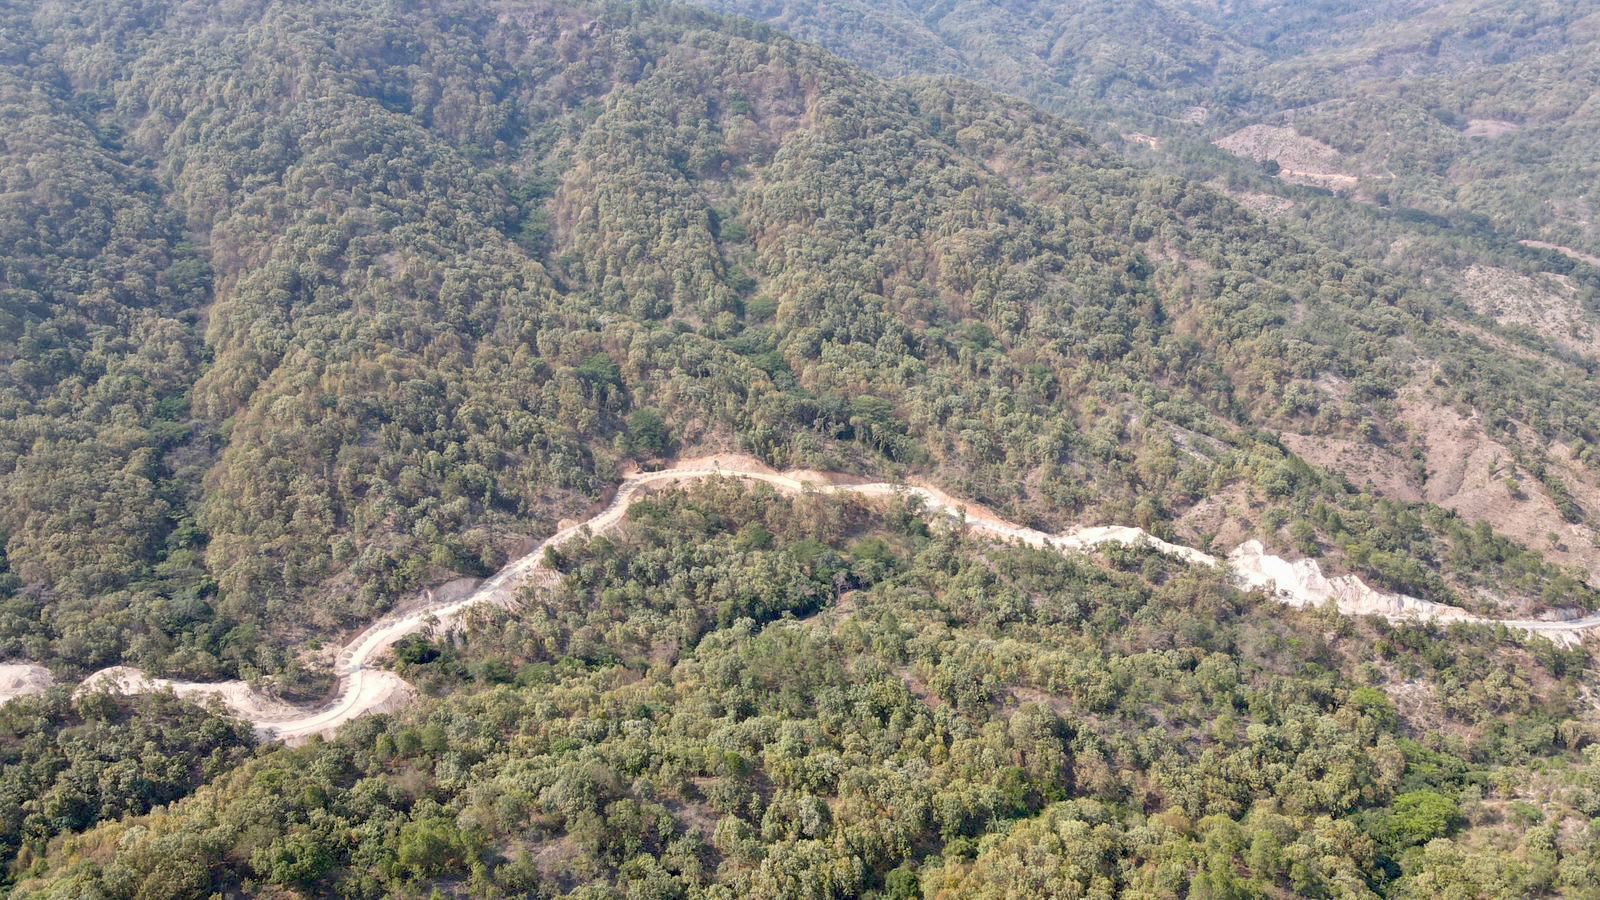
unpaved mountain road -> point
(364, 689)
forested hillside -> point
(744, 694)
(307, 307)
(1480, 111)
(1095, 58)
(349, 301)
(1316, 116)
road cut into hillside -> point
(364, 689)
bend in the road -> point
(363, 689)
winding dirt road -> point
(364, 689)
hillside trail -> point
(364, 689)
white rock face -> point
(1301, 583)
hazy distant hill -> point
(1475, 107)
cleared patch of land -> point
(23, 679)
(1546, 304)
(1490, 128)
(1565, 251)
(1300, 159)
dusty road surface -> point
(365, 689)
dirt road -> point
(364, 689)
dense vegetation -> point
(281, 355)
(307, 306)
(749, 695)
(67, 763)
(1477, 110)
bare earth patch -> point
(1361, 463)
(1223, 519)
(22, 680)
(237, 696)
(1468, 472)
(1300, 159)
(919, 688)
(1490, 128)
(1565, 251)
(1547, 304)
(1266, 204)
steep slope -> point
(365, 689)
(1392, 106)
(317, 304)
(99, 299)
(733, 692)
(1479, 111)
(1091, 59)
(1471, 108)
(464, 262)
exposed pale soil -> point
(1361, 463)
(1490, 128)
(1265, 204)
(1467, 470)
(1223, 519)
(1546, 304)
(1565, 251)
(1300, 159)
(365, 689)
(22, 679)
